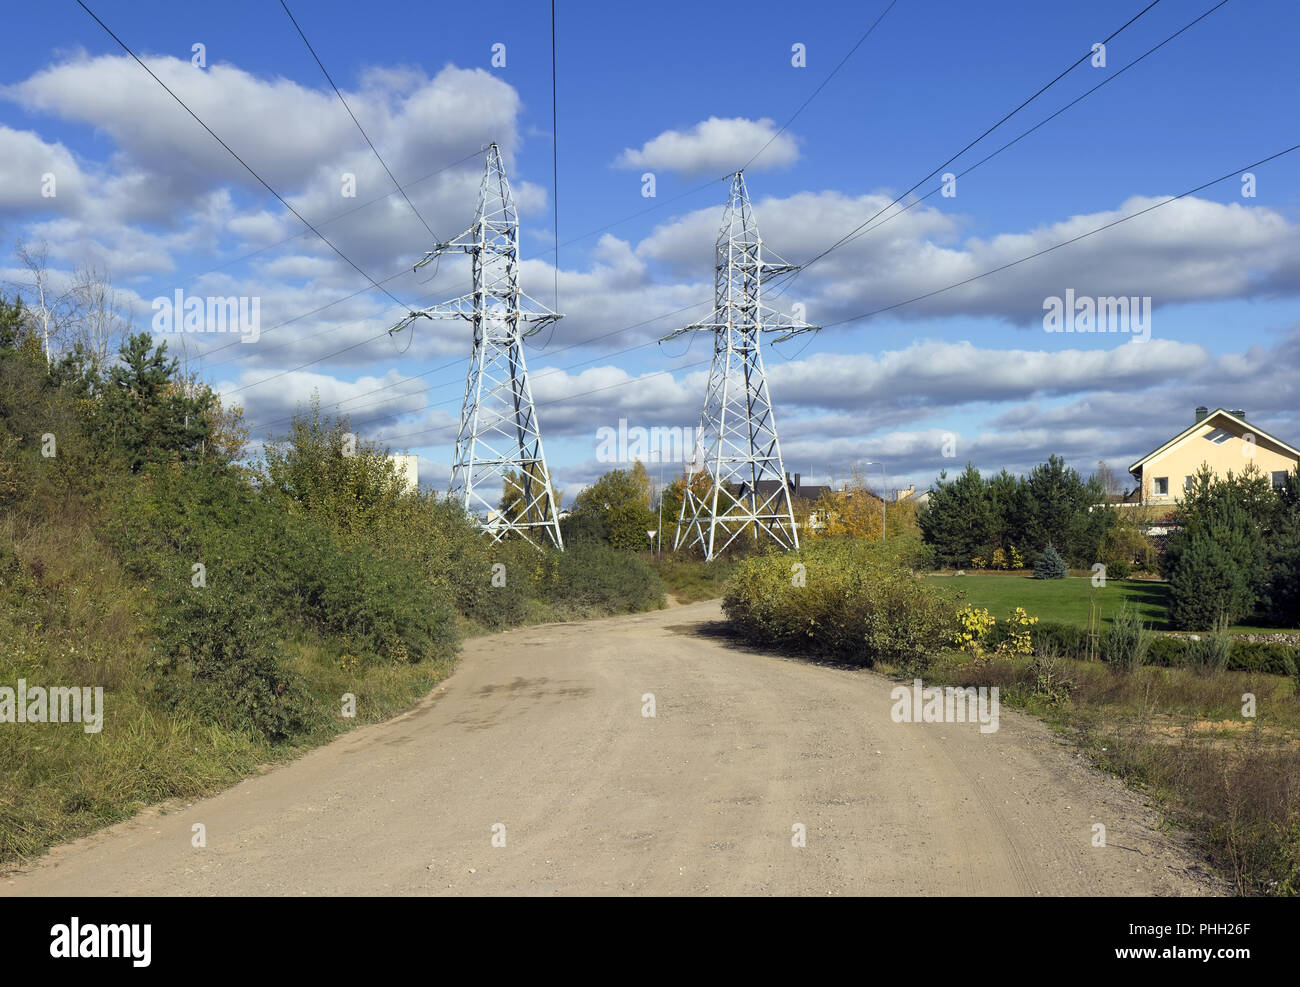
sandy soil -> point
(541, 730)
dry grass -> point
(1182, 738)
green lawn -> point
(1066, 600)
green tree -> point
(1063, 509)
(622, 504)
(326, 472)
(1050, 565)
(958, 523)
(525, 501)
(1281, 589)
(1216, 562)
(144, 415)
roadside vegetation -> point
(233, 612)
(1207, 725)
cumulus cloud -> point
(718, 145)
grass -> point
(72, 615)
(692, 580)
(1182, 739)
(1067, 600)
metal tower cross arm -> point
(737, 446)
(499, 442)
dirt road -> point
(541, 731)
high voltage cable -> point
(860, 229)
(555, 195)
(324, 222)
(284, 202)
(804, 104)
(853, 234)
(542, 373)
(1065, 243)
(938, 291)
(339, 94)
(863, 231)
(1085, 57)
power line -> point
(555, 179)
(938, 291)
(805, 103)
(325, 222)
(339, 94)
(542, 373)
(865, 229)
(1083, 58)
(1065, 243)
(284, 202)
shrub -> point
(1050, 676)
(1167, 652)
(1069, 640)
(851, 607)
(1127, 642)
(1209, 653)
(1264, 656)
(1119, 569)
(1050, 565)
(216, 654)
(973, 626)
(600, 576)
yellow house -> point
(1224, 440)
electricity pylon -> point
(499, 444)
(737, 445)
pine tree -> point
(1050, 565)
(145, 414)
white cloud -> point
(716, 144)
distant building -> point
(408, 467)
(804, 499)
(1222, 439)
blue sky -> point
(145, 193)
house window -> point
(1279, 479)
(1187, 483)
(1162, 486)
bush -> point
(1050, 565)
(1127, 642)
(1068, 640)
(1209, 653)
(216, 654)
(1167, 652)
(1119, 569)
(1264, 656)
(850, 607)
(593, 575)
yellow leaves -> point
(975, 623)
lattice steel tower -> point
(737, 445)
(499, 432)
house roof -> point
(1217, 413)
(807, 492)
